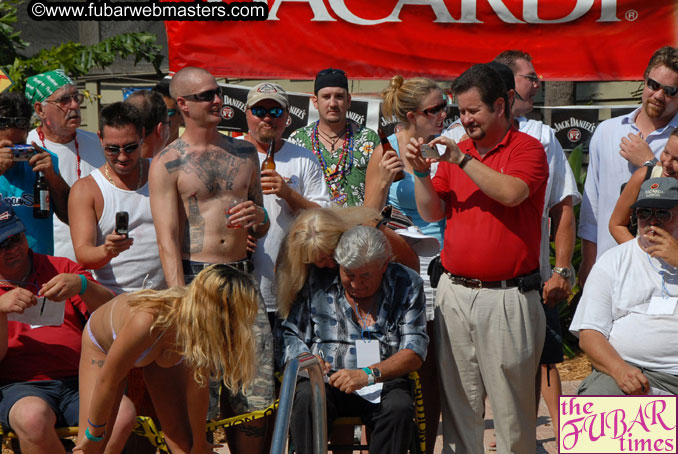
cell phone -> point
(122, 223)
(427, 151)
(22, 152)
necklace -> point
(333, 140)
(141, 175)
(334, 174)
(41, 136)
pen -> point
(42, 308)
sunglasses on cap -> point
(327, 71)
(435, 110)
(274, 112)
(115, 149)
(204, 96)
(661, 215)
(668, 89)
(10, 242)
(66, 100)
(15, 122)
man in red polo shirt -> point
(489, 323)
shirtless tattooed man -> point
(206, 198)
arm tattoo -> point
(98, 363)
(195, 227)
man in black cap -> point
(342, 146)
(626, 318)
(44, 303)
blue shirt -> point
(16, 187)
(607, 171)
(321, 318)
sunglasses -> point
(327, 71)
(661, 215)
(171, 112)
(66, 100)
(531, 77)
(435, 110)
(668, 89)
(115, 149)
(204, 96)
(10, 242)
(15, 122)
(274, 112)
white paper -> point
(367, 352)
(45, 313)
(662, 306)
(659, 392)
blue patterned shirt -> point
(321, 318)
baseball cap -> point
(658, 193)
(267, 90)
(10, 224)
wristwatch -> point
(377, 374)
(565, 273)
(467, 157)
(651, 163)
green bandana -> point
(41, 86)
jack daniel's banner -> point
(375, 39)
(574, 127)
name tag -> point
(662, 306)
(367, 352)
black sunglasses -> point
(663, 216)
(327, 71)
(274, 112)
(171, 112)
(115, 149)
(203, 96)
(668, 89)
(435, 110)
(15, 122)
(11, 241)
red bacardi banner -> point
(568, 39)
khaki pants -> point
(488, 342)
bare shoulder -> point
(85, 188)
(239, 148)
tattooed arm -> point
(165, 202)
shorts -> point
(553, 341)
(61, 396)
(259, 394)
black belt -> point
(531, 281)
(191, 267)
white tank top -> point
(139, 266)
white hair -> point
(360, 246)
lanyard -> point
(363, 326)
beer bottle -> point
(269, 163)
(40, 197)
(386, 145)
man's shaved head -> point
(185, 79)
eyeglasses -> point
(531, 77)
(171, 112)
(274, 112)
(10, 242)
(204, 96)
(327, 71)
(66, 100)
(435, 110)
(663, 216)
(15, 122)
(115, 149)
(668, 89)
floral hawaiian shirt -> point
(352, 186)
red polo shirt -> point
(46, 352)
(484, 239)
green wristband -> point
(422, 174)
(83, 284)
(265, 216)
(91, 437)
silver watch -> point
(651, 163)
(565, 273)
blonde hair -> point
(213, 319)
(403, 96)
(313, 233)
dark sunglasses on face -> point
(435, 110)
(11, 241)
(171, 112)
(115, 150)
(274, 112)
(204, 96)
(661, 215)
(15, 122)
(66, 100)
(668, 89)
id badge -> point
(367, 352)
(662, 306)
